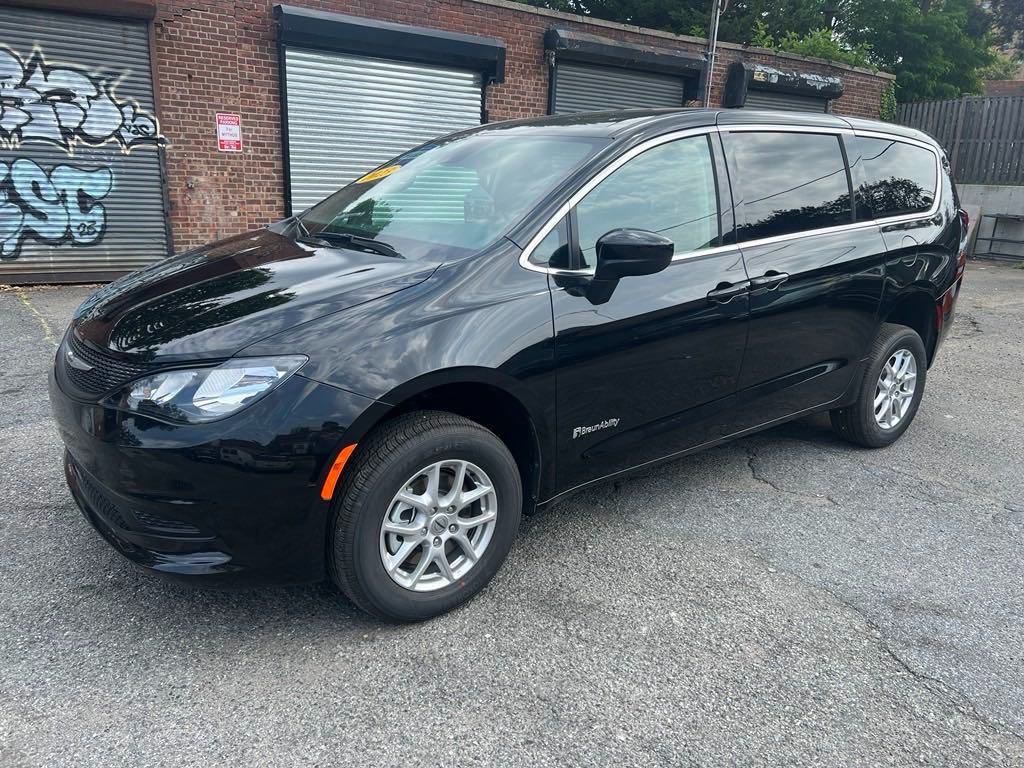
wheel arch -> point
(915, 308)
(487, 397)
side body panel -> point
(924, 260)
(808, 335)
(648, 365)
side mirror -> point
(628, 252)
(625, 253)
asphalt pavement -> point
(787, 599)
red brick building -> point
(311, 82)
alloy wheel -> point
(894, 391)
(438, 525)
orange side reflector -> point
(327, 492)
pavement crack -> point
(48, 334)
(955, 697)
(1009, 514)
(760, 477)
(880, 472)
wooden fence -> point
(982, 135)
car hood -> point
(215, 300)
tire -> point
(383, 465)
(858, 423)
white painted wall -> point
(995, 199)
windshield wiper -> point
(357, 241)
(297, 220)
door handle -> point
(769, 281)
(726, 292)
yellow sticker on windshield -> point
(380, 173)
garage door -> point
(584, 88)
(767, 100)
(81, 194)
(348, 114)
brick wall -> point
(221, 55)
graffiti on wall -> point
(66, 107)
(55, 207)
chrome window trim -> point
(834, 130)
(576, 197)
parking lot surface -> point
(787, 599)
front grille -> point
(106, 372)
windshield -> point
(459, 195)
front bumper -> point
(234, 500)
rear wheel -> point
(426, 516)
(890, 390)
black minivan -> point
(376, 389)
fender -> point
(381, 407)
(540, 416)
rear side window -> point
(892, 177)
(669, 189)
(788, 182)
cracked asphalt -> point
(784, 600)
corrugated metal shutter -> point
(348, 114)
(437, 194)
(89, 85)
(586, 88)
(768, 100)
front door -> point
(642, 375)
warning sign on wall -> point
(229, 132)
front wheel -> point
(426, 516)
(890, 390)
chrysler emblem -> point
(76, 362)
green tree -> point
(936, 48)
(819, 43)
(778, 18)
(691, 17)
(1003, 68)
(887, 105)
(1008, 23)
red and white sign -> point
(229, 132)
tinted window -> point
(892, 178)
(788, 182)
(459, 193)
(669, 189)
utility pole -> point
(717, 8)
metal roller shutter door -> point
(81, 195)
(768, 100)
(585, 88)
(348, 114)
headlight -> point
(206, 394)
